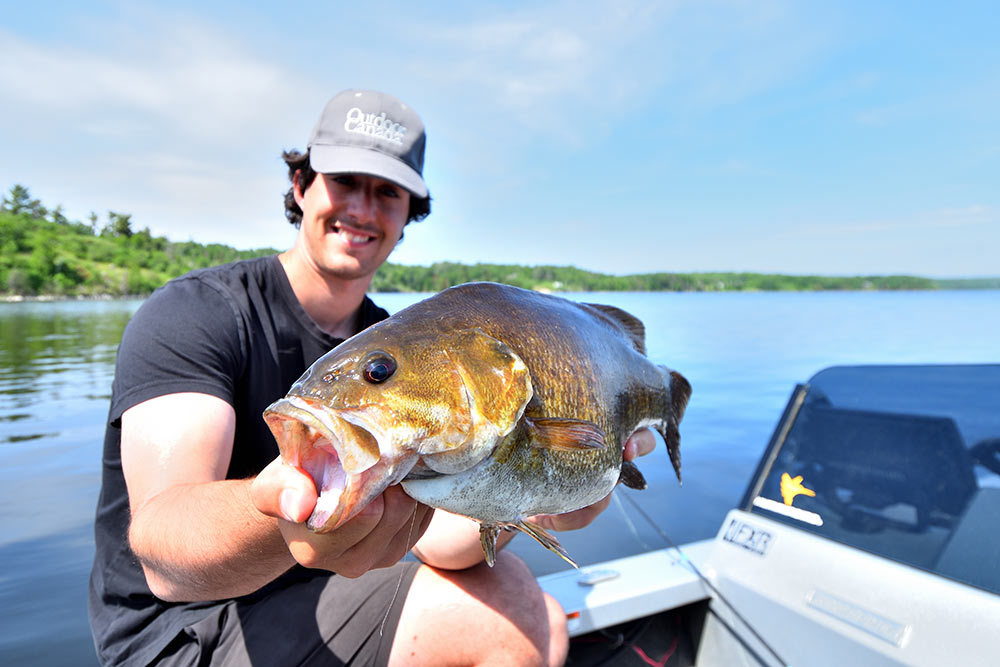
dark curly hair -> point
(420, 208)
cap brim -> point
(354, 160)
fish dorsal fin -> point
(565, 435)
(632, 325)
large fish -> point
(485, 400)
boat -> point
(869, 534)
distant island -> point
(44, 254)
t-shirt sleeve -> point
(187, 337)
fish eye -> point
(379, 368)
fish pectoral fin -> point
(565, 435)
(544, 537)
(631, 477)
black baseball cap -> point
(368, 132)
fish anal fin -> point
(632, 325)
(488, 538)
(543, 537)
(631, 476)
(565, 435)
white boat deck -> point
(615, 591)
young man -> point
(202, 556)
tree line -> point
(42, 252)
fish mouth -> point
(343, 459)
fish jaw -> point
(342, 459)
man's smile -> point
(352, 236)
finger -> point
(400, 523)
(416, 518)
(284, 491)
(640, 443)
(326, 550)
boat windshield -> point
(900, 461)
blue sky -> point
(623, 137)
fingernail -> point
(289, 503)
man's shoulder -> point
(202, 293)
(238, 272)
(227, 281)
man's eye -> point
(389, 191)
(344, 179)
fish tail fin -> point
(680, 392)
(544, 537)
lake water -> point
(743, 354)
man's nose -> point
(361, 204)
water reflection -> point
(56, 367)
(742, 352)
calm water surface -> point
(742, 353)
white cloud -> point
(170, 75)
(158, 114)
(571, 72)
(970, 217)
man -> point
(202, 556)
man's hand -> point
(378, 536)
(641, 443)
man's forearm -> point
(207, 542)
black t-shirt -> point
(236, 332)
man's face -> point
(351, 222)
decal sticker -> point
(792, 486)
(744, 535)
(861, 618)
(796, 513)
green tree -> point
(57, 216)
(119, 225)
(19, 202)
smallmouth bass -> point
(485, 400)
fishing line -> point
(707, 582)
(399, 582)
(628, 522)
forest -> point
(43, 253)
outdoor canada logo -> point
(378, 126)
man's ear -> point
(296, 187)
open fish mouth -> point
(342, 458)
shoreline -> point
(49, 298)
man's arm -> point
(195, 533)
(199, 536)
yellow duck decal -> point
(792, 486)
